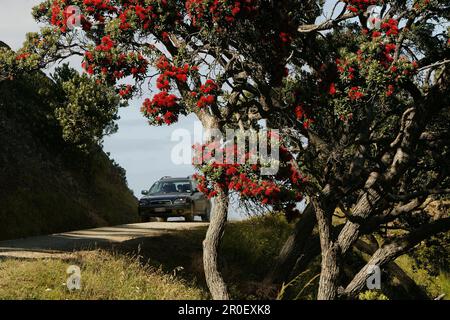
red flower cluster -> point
(97, 5)
(394, 71)
(346, 69)
(143, 13)
(23, 56)
(170, 72)
(390, 27)
(106, 44)
(222, 12)
(151, 15)
(390, 90)
(125, 91)
(285, 38)
(207, 94)
(243, 178)
(249, 186)
(388, 49)
(302, 115)
(360, 6)
(98, 8)
(267, 191)
(332, 89)
(60, 13)
(355, 93)
(107, 61)
(163, 108)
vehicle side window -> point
(184, 187)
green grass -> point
(434, 285)
(48, 185)
(248, 253)
(105, 276)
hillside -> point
(46, 184)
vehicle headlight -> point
(181, 201)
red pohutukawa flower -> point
(162, 109)
(106, 60)
(284, 188)
(126, 91)
(355, 93)
(390, 27)
(303, 115)
(360, 6)
(23, 56)
(170, 72)
(207, 94)
(222, 13)
(375, 56)
(106, 44)
(332, 89)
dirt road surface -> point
(62, 244)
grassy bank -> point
(48, 185)
(169, 266)
(104, 276)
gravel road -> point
(62, 244)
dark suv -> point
(174, 197)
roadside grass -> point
(170, 266)
(247, 253)
(434, 285)
(105, 276)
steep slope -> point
(46, 184)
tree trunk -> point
(390, 251)
(292, 255)
(211, 245)
(409, 285)
(329, 275)
(330, 265)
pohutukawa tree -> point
(361, 101)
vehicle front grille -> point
(161, 202)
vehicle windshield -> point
(172, 186)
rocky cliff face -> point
(47, 185)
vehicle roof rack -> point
(165, 177)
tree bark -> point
(364, 207)
(390, 251)
(329, 275)
(409, 285)
(211, 245)
(330, 265)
